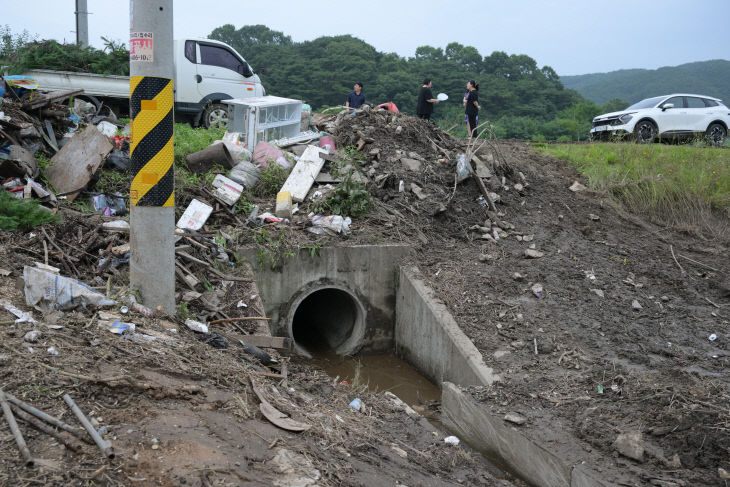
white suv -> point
(667, 117)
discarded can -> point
(356, 404)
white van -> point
(206, 72)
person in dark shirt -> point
(356, 98)
(424, 109)
(472, 107)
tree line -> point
(520, 98)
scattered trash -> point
(47, 291)
(227, 190)
(335, 223)
(712, 337)
(215, 340)
(121, 226)
(284, 204)
(593, 217)
(305, 171)
(120, 327)
(204, 160)
(462, 168)
(356, 404)
(598, 292)
(195, 216)
(258, 354)
(22, 316)
(265, 153)
(107, 128)
(246, 174)
(241, 304)
(196, 326)
(636, 305)
(32, 336)
(537, 290)
(109, 205)
(451, 440)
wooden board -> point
(274, 415)
(302, 177)
(75, 164)
(46, 99)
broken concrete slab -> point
(302, 177)
(283, 205)
(71, 169)
(630, 445)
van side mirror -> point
(244, 70)
(667, 106)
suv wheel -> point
(215, 115)
(716, 134)
(645, 132)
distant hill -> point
(631, 85)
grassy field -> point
(686, 186)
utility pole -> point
(82, 23)
(152, 190)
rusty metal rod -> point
(79, 433)
(104, 445)
(25, 453)
(46, 428)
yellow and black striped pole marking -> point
(151, 149)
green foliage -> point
(705, 77)
(349, 198)
(314, 249)
(272, 249)
(183, 310)
(672, 184)
(322, 72)
(272, 179)
(20, 55)
(18, 214)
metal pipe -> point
(47, 418)
(104, 445)
(45, 428)
(16, 431)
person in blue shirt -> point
(355, 99)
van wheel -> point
(716, 134)
(215, 115)
(645, 132)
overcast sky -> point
(572, 36)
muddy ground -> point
(604, 365)
(582, 366)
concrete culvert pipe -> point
(327, 318)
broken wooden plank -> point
(302, 177)
(325, 178)
(48, 98)
(263, 341)
(75, 164)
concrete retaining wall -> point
(474, 423)
(368, 272)
(427, 336)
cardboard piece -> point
(75, 164)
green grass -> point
(674, 185)
(189, 140)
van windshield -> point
(648, 103)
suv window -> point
(218, 56)
(190, 51)
(693, 102)
(709, 103)
(677, 101)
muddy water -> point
(380, 373)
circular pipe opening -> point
(327, 319)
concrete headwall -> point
(427, 336)
(368, 272)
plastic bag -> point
(47, 291)
(246, 174)
(462, 168)
(334, 222)
(264, 153)
(107, 128)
